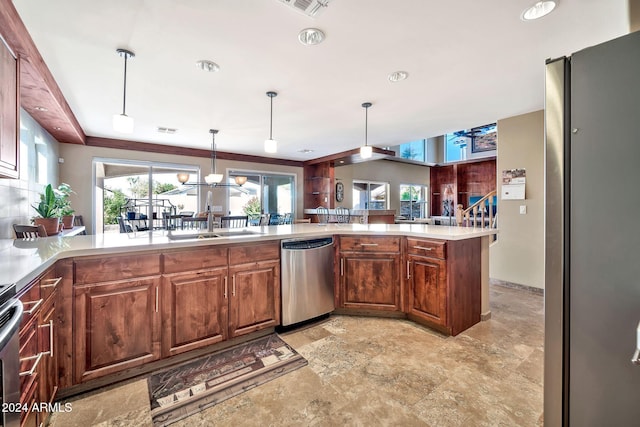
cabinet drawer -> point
(48, 283)
(370, 244)
(190, 260)
(253, 253)
(31, 302)
(428, 248)
(104, 269)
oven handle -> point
(12, 325)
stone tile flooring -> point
(372, 371)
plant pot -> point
(51, 225)
(67, 221)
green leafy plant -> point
(252, 208)
(64, 204)
(49, 205)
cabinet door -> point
(9, 114)
(116, 326)
(49, 364)
(255, 297)
(370, 281)
(194, 310)
(427, 289)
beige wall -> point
(518, 254)
(634, 15)
(77, 172)
(395, 173)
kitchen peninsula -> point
(127, 302)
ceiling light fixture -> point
(398, 76)
(366, 151)
(214, 179)
(311, 36)
(538, 10)
(122, 122)
(206, 65)
(39, 108)
(271, 145)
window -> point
(262, 193)
(370, 195)
(414, 150)
(412, 201)
(143, 193)
(455, 147)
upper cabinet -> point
(9, 114)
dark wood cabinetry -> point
(254, 273)
(369, 273)
(129, 310)
(443, 283)
(9, 113)
(116, 326)
(318, 186)
(38, 358)
(456, 183)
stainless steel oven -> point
(10, 316)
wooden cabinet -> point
(443, 283)
(195, 310)
(129, 310)
(117, 326)
(454, 184)
(369, 273)
(254, 273)
(318, 185)
(38, 359)
(9, 113)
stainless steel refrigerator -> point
(592, 236)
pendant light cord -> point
(124, 94)
(366, 125)
(213, 150)
(271, 120)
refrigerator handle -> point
(636, 355)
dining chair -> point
(323, 214)
(78, 222)
(234, 221)
(275, 219)
(342, 215)
(29, 231)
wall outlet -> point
(216, 208)
(523, 210)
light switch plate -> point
(523, 210)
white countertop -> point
(23, 259)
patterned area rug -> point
(188, 388)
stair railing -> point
(469, 217)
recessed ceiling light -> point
(206, 65)
(398, 76)
(305, 151)
(170, 131)
(311, 36)
(538, 10)
(57, 128)
(39, 108)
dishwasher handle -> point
(307, 244)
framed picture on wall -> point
(484, 138)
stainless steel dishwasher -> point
(307, 279)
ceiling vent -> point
(312, 8)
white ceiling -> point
(470, 62)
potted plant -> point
(64, 205)
(48, 211)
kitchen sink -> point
(212, 235)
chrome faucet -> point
(209, 220)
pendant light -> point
(366, 151)
(213, 177)
(122, 122)
(271, 145)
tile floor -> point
(370, 371)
